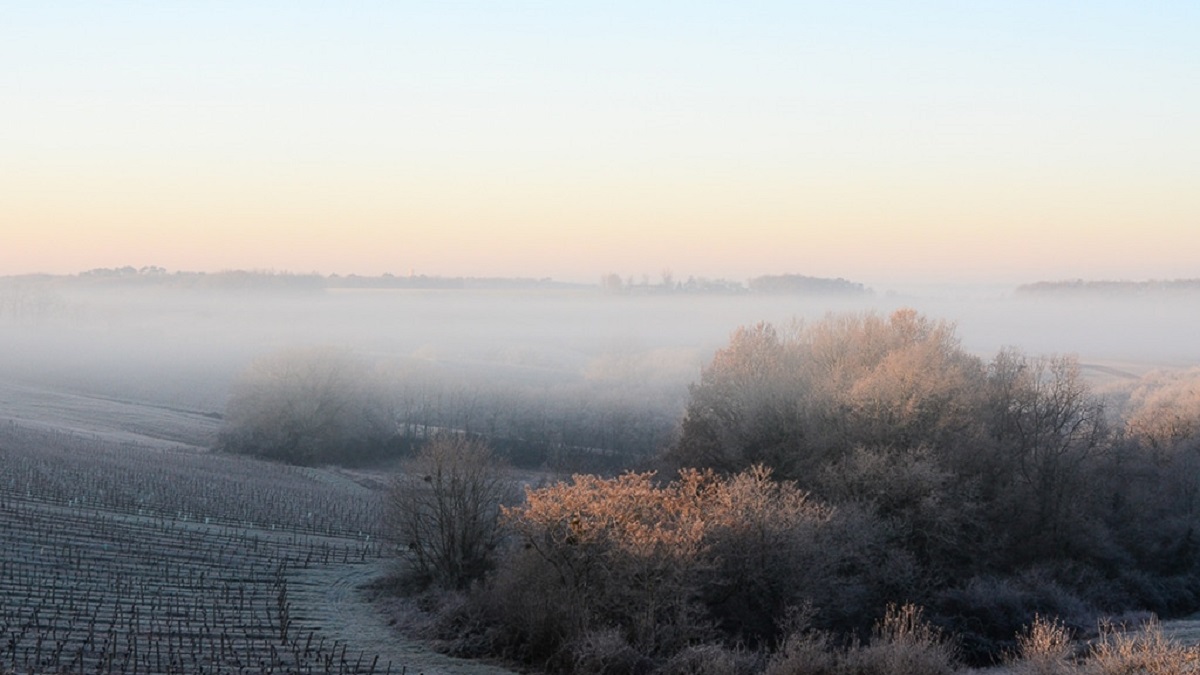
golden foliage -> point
(638, 554)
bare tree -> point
(444, 510)
(1048, 425)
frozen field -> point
(153, 557)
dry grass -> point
(710, 659)
(808, 653)
(903, 644)
(1045, 649)
(1148, 651)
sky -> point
(876, 141)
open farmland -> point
(105, 418)
(124, 558)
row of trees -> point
(1109, 288)
(776, 284)
(827, 472)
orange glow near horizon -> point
(564, 148)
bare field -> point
(109, 419)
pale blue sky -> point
(916, 141)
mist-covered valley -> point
(900, 498)
(183, 347)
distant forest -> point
(1108, 288)
(277, 281)
(153, 276)
(612, 283)
(776, 284)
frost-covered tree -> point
(799, 401)
(308, 406)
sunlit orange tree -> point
(669, 564)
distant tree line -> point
(1109, 288)
(421, 281)
(779, 284)
(784, 284)
(230, 280)
(158, 277)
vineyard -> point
(132, 559)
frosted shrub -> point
(1044, 649)
(903, 644)
(805, 653)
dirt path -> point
(332, 597)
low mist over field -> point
(184, 344)
(123, 340)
